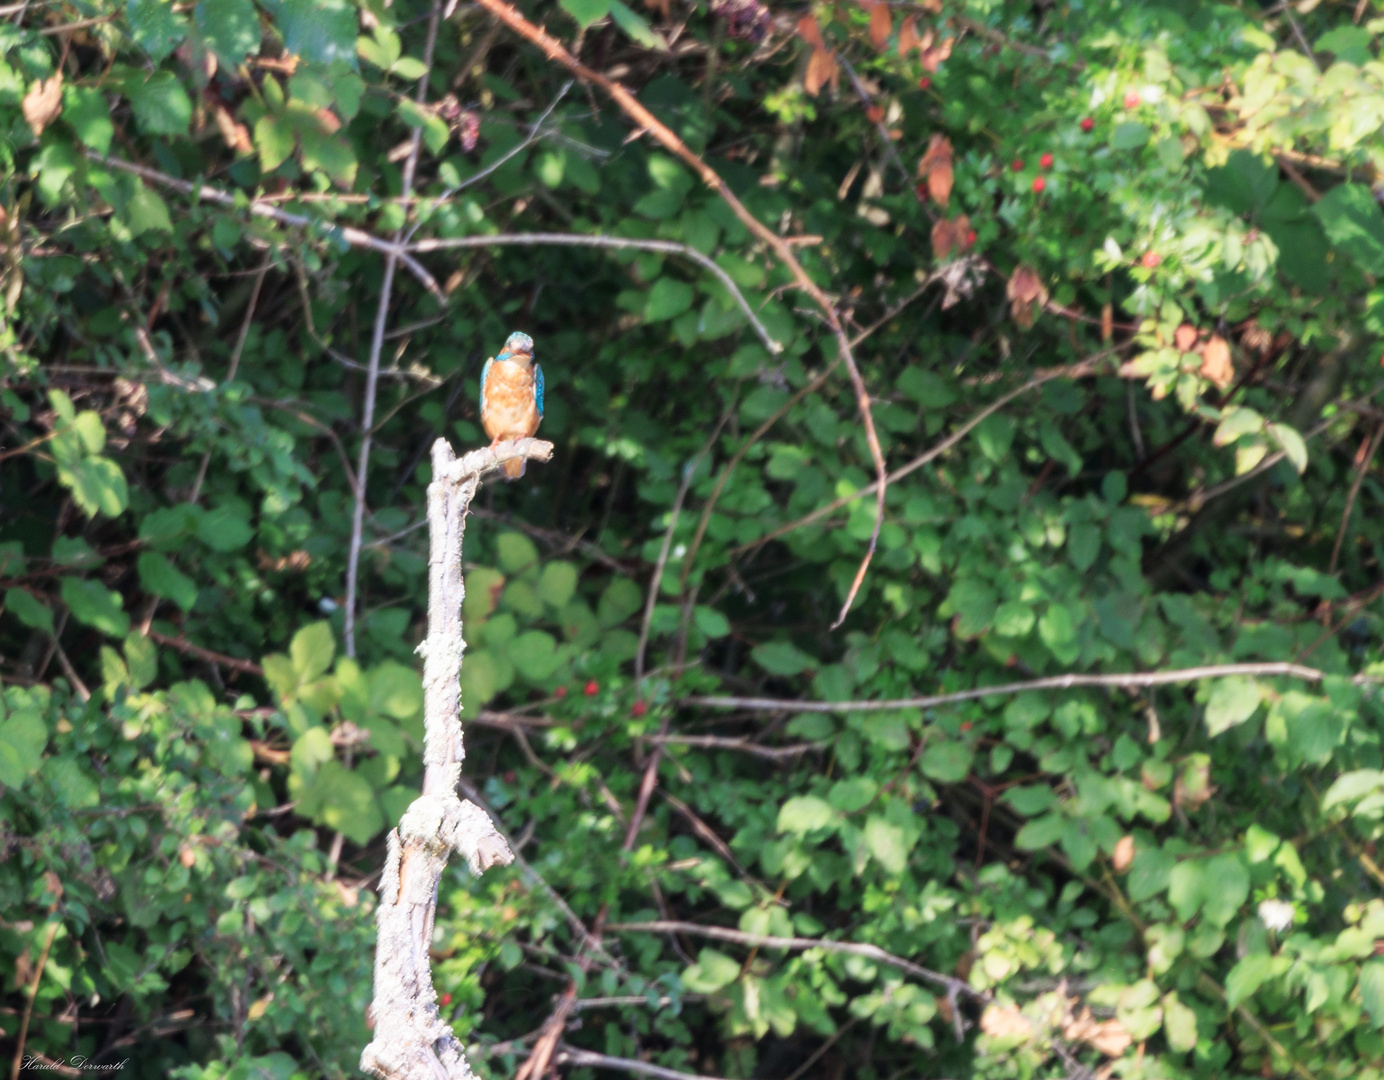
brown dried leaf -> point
(1255, 337)
(236, 135)
(1123, 855)
(1002, 1023)
(875, 114)
(1025, 292)
(933, 56)
(950, 237)
(661, 6)
(908, 37)
(1215, 362)
(881, 26)
(810, 33)
(936, 166)
(43, 103)
(934, 6)
(821, 69)
(1107, 1036)
(1185, 337)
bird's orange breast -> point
(508, 409)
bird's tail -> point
(514, 468)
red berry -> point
(1131, 100)
(638, 709)
(920, 190)
(560, 692)
(592, 688)
(1087, 124)
(1151, 259)
(965, 725)
(971, 239)
(446, 999)
(1017, 165)
(924, 83)
(1045, 162)
(1039, 184)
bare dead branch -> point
(411, 1041)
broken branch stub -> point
(411, 1041)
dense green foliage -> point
(198, 763)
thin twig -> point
(646, 121)
(1051, 682)
(78, 687)
(571, 1055)
(183, 646)
(724, 742)
(1073, 371)
(668, 247)
(372, 377)
(1350, 499)
(234, 365)
(351, 235)
(800, 944)
(33, 992)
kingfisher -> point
(512, 396)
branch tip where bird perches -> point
(411, 1041)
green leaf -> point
(1083, 544)
(156, 28)
(586, 12)
(1013, 619)
(781, 658)
(320, 31)
(1235, 423)
(1372, 991)
(162, 578)
(97, 485)
(621, 599)
(1351, 787)
(1040, 832)
(381, 50)
(713, 970)
(946, 762)
(86, 112)
(1150, 874)
(22, 739)
(274, 140)
(1354, 224)
(346, 802)
(1057, 629)
(1233, 701)
(1248, 976)
(224, 529)
(1129, 136)
(516, 552)
(636, 27)
(668, 299)
(1179, 1025)
(887, 843)
(1292, 444)
(32, 612)
(231, 29)
(142, 658)
(93, 604)
(312, 650)
(534, 655)
(406, 67)
(974, 602)
(710, 622)
(805, 813)
(161, 105)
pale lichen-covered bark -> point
(411, 1041)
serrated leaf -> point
(161, 105)
(230, 28)
(92, 603)
(712, 971)
(781, 658)
(1235, 423)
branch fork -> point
(412, 1042)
